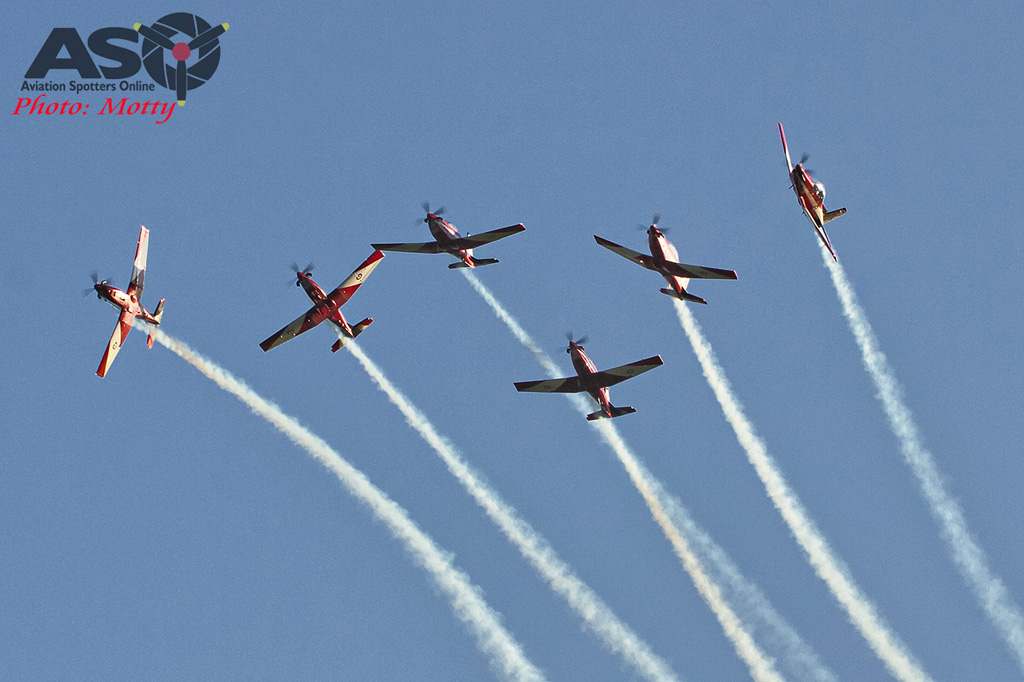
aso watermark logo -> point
(180, 52)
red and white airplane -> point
(326, 306)
(811, 195)
(448, 240)
(664, 259)
(129, 303)
(592, 381)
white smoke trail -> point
(988, 589)
(534, 548)
(761, 666)
(505, 654)
(802, 660)
(829, 568)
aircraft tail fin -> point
(475, 261)
(684, 296)
(616, 412)
(158, 315)
(356, 331)
(832, 215)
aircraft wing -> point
(610, 377)
(339, 296)
(789, 161)
(824, 240)
(635, 256)
(139, 266)
(475, 240)
(697, 271)
(307, 321)
(820, 229)
(124, 325)
(412, 247)
(566, 385)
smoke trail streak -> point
(969, 558)
(861, 611)
(800, 657)
(506, 656)
(534, 548)
(761, 666)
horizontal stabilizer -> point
(476, 262)
(158, 315)
(616, 412)
(684, 296)
(356, 331)
(832, 215)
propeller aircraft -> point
(448, 240)
(589, 379)
(128, 303)
(326, 306)
(811, 195)
(664, 259)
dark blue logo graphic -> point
(174, 63)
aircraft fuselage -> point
(443, 233)
(810, 194)
(585, 367)
(663, 250)
(322, 302)
(123, 301)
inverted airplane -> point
(448, 240)
(326, 306)
(592, 381)
(811, 195)
(129, 303)
(664, 259)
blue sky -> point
(155, 529)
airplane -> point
(128, 303)
(664, 259)
(326, 306)
(811, 195)
(592, 381)
(448, 240)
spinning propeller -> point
(94, 276)
(426, 207)
(579, 342)
(656, 218)
(307, 271)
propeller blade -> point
(180, 82)
(803, 159)
(154, 35)
(657, 217)
(95, 277)
(579, 342)
(207, 36)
